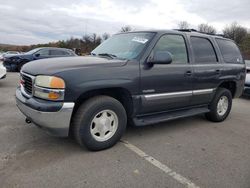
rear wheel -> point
(99, 123)
(220, 106)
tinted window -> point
(58, 53)
(230, 51)
(175, 45)
(44, 52)
(203, 50)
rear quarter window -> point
(230, 51)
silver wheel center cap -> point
(222, 105)
(104, 125)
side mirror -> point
(161, 57)
(37, 55)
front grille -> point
(27, 84)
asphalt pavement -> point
(190, 152)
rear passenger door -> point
(58, 53)
(207, 69)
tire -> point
(99, 123)
(19, 66)
(219, 112)
(11, 68)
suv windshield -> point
(124, 46)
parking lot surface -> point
(187, 152)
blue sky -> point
(31, 22)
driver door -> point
(167, 87)
(42, 54)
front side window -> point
(203, 50)
(44, 52)
(124, 46)
(229, 51)
(175, 45)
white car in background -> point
(2, 71)
(2, 68)
(8, 53)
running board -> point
(162, 117)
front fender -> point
(103, 84)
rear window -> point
(203, 50)
(229, 51)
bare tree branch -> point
(235, 32)
(205, 28)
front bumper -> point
(56, 122)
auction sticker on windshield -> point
(140, 40)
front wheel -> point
(99, 123)
(220, 106)
(19, 66)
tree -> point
(82, 45)
(245, 47)
(96, 40)
(105, 36)
(86, 43)
(126, 28)
(205, 28)
(183, 25)
(235, 32)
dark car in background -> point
(15, 62)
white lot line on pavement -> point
(159, 165)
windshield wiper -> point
(108, 55)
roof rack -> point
(194, 30)
(186, 30)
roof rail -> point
(194, 30)
(186, 30)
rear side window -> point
(203, 50)
(175, 45)
(58, 53)
(229, 51)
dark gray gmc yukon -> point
(138, 78)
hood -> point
(55, 65)
(22, 56)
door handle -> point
(188, 73)
(218, 71)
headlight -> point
(49, 87)
(50, 82)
